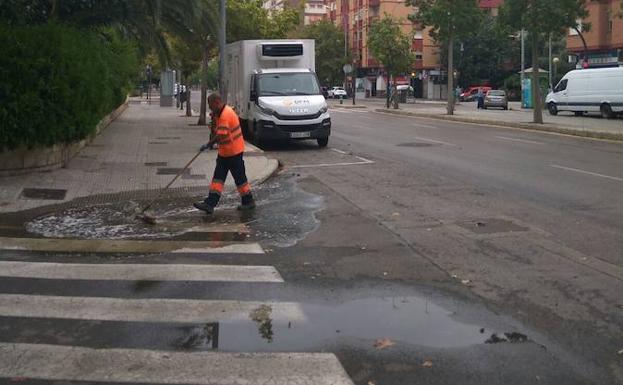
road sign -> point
(347, 68)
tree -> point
(541, 18)
(329, 50)
(482, 55)
(248, 19)
(144, 21)
(448, 20)
(390, 46)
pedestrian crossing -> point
(32, 357)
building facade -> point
(355, 17)
(427, 75)
(314, 11)
(604, 39)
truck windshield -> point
(288, 84)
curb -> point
(269, 171)
(524, 126)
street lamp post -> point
(555, 60)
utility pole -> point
(221, 46)
(523, 49)
(551, 86)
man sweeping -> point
(230, 150)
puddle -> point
(284, 215)
(410, 320)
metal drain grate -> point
(194, 176)
(171, 171)
(155, 164)
(158, 142)
(43, 194)
(492, 226)
(168, 137)
(416, 144)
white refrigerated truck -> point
(273, 87)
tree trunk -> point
(388, 89)
(395, 95)
(204, 87)
(450, 92)
(536, 89)
(188, 107)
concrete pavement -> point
(516, 117)
(141, 150)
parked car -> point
(470, 93)
(588, 90)
(496, 98)
(337, 92)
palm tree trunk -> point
(536, 89)
(188, 107)
(450, 92)
(204, 87)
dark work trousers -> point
(235, 165)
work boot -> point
(245, 206)
(204, 207)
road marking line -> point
(418, 125)
(73, 363)
(126, 246)
(140, 310)
(362, 161)
(140, 272)
(587, 172)
(236, 248)
(434, 141)
(339, 151)
(519, 140)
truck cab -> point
(273, 87)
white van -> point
(588, 90)
(274, 89)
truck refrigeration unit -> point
(273, 87)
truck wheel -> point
(606, 111)
(322, 142)
(553, 110)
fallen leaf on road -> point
(371, 383)
(427, 364)
(384, 343)
(465, 281)
(620, 352)
(395, 214)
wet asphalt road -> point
(530, 223)
(466, 254)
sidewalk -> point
(141, 150)
(565, 122)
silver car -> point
(496, 98)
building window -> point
(418, 35)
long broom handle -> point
(172, 181)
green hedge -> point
(57, 82)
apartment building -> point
(356, 17)
(315, 10)
(604, 39)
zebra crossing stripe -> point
(67, 363)
(139, 272)
(126, 246)
(141, 310)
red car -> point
(470, 93)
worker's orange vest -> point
(228, 125)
